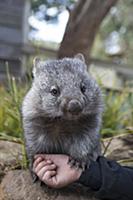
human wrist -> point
(91, 177)
(79, 173)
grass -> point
(10, 108)
(10, 114)
(118, 115)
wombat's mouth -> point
(67, 116)
(71, 116)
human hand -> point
(54, 170)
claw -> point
(71, 162)
(77, 164)
(83, 165)
(34, 178)
(41, 183)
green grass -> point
(10, 108)
(118, 114)
(10, 114)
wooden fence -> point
(13, 34)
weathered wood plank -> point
(9, 51)
(14, 66)
(26, 13)
(11, 35)
(10, 20)
(12, 3)
(11, 9)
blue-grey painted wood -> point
(13, 34)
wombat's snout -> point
(74, 107)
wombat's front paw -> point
(73, 163)
(34, 177)
(77, 164)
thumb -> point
(54, 182)
(44, 156)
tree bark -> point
(82, 27)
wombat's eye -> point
(83, 88)
(55, 91)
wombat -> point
(62, 111)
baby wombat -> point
(62, 111)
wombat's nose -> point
(74, 107)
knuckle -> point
(39, 175)
(48, 167)
(41, 164)
(48, 174)
(45, 178)
(34, 169)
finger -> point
(45, 169)
(39, 155)
(37, 161)
(50, 156)
(50, 178)
(39, 166)
(43, 157)
(47, 177)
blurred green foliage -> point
(120, 21)
(10, 109)
(118, 114)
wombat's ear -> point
(36, 65)
(80, 56)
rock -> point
(120, 148)
(10, 156)
(18, 185)
(10, 153)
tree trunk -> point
(82, 27)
